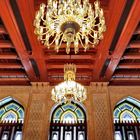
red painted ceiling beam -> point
(115, 11)
(129, 28)
(79, 73)
(64, 57)
(27, 12)
(57, 66)
(134, 45)
(11, 26)
(3, 30)
(126, 73)
(8, 56)
(137, 30)
(5, 44)
(14, 81)
(129, 66)
(12, 73)
(125, 82)
(126, 78)
(131, 56)
(10, 66)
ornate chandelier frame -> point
(73, 22)
(69, 89)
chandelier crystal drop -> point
(74, 22)
(69, 89)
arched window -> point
(11, 118)
(127, 119)
(68, 122)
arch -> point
(11, 110)
(128, 109)
(126, 119)
(72, 109)
(68, 120)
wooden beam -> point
(125, 73)
(135, 45)
(10, 66)
(131, 56)
(27, 13)
(11, 26)
(8, 56)
(115, 11)
(137, 31)
(5, 44)
(129, 66)
(68, 57)
(3, 30)
(14, 81)
(61, 73)
(12, 73)
(127, 79)
(57, 66)
(128, 30)
(125, 82)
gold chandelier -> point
(73, 22)
(69, 89)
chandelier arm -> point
(61, 38)
(91, 42)
(54, 40)
(80, 39)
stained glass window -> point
(127, 110)
(68, 113)
(11, 110)
(68, 121)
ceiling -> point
(23, 59)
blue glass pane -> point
(126, 106)
(2, 110)
(68, 116)
(11, 106)
(79, 113)
(127, 116)
(20, 113)
(10, 116)
(69, 106)
(136, 112)
(58, 113)
(5, 100)
(116, 112)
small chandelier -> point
(69, 89)
(73, 22)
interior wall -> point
(99, 105)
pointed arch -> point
(70, 109)
(127, 119)
(68, 120)
(11, 110)
(128, 109)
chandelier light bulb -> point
(72, 22)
